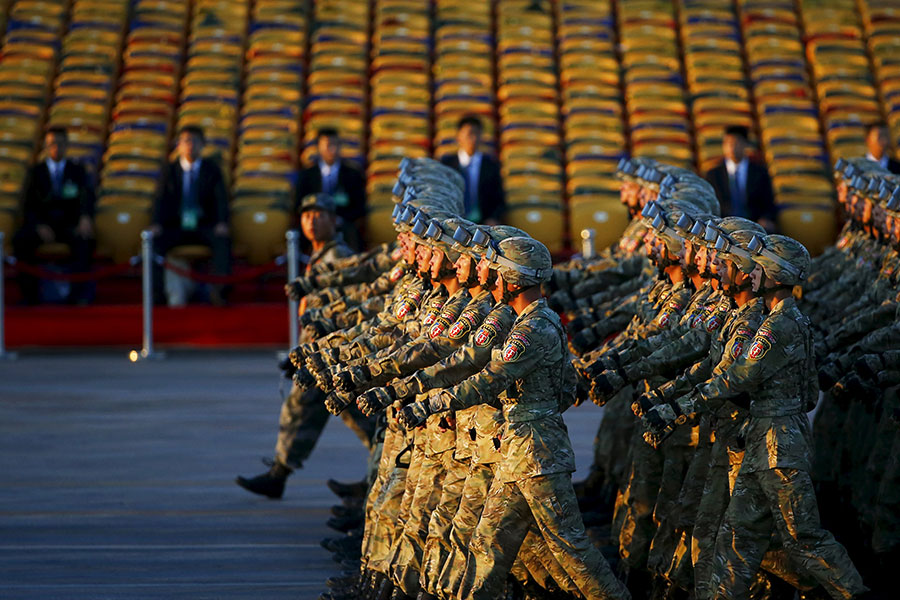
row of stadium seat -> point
(267, 145)
(400, 118)
(140, 132)
(463, 71)
(788, 120)
(593, 116)
(28, 61)
(88, 71)
(881, 24)
(336, 82)
(654, 88)
(530, 140)
(845, 88)
(714, 69)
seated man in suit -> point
(192, 208)
(58, 207)
(485, 200)
(339, 179)
(743, 187)
(878, 147)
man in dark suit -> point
(339, 179)
(877, 146)
(193, 208)
(58, 207)
(743, 187)
(485, 200)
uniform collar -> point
(533, 307)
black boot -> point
(423, 595)
(269, 484)
(373, 584)
(346, 544)
(345, 524)
(341, 511)
(352, 490)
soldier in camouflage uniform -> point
(303, 416)
(773, 493)
(533, 485)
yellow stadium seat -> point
(544, 223)
(606, 215)
(813, 227)
(119, 229)
(259, 233)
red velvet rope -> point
(41, 272)
(246, 275)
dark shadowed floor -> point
(116, 480)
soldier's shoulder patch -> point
(488, 331)
(762, 343)
(461, 328)
(397, 273)
(714, 322)
(739, 342)
(515, 346)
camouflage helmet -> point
(440, 235)
(734, 246)
(522, 261)
(783, 259)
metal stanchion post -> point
(4, 355)
(293, 269)
(147, 352)
(587, 243)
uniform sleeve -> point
(526, 348)
(767, 354)
(669, 355)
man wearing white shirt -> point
(192, 209)
(341, 180)
(878, 147)
(58, 207)
(743, 187)
(484, 198)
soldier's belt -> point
(521, 412)
(776, 408)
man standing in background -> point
(743, 186)
(878, 147)
(340, 180)
(485, 200)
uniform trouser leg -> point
(386, 506)
(390, 523)
(706, 526)
(638, 502)
(407, 562)
(471, 503)
(886, 532)
(541, 565)
(437, 545)
(783, 501)
(510, 509)
(389, 448)
(302, 420)
(613, 437)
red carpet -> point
(260, 324)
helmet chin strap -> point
(508, 296)
(491, 281)
(472, 280)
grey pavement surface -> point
(117, 480)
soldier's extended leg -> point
(783, 501)
(474, 492)
(409, 547)
(637, 503)
(550, 502)
(437, 545)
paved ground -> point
(116, 480)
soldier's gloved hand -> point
(869, 366)
(335, 403)
(414, 414)
(602, 389)
(561, 301)
(375, 400)
(300, 287)
(303, 378)
(352, 378)
(828, 376)
(608, 383)
(581, 322)
(594, 369)
(645, 402)
(659, 418)
(852, 387)
(317, 328)
(287, 367)
(584, 341)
